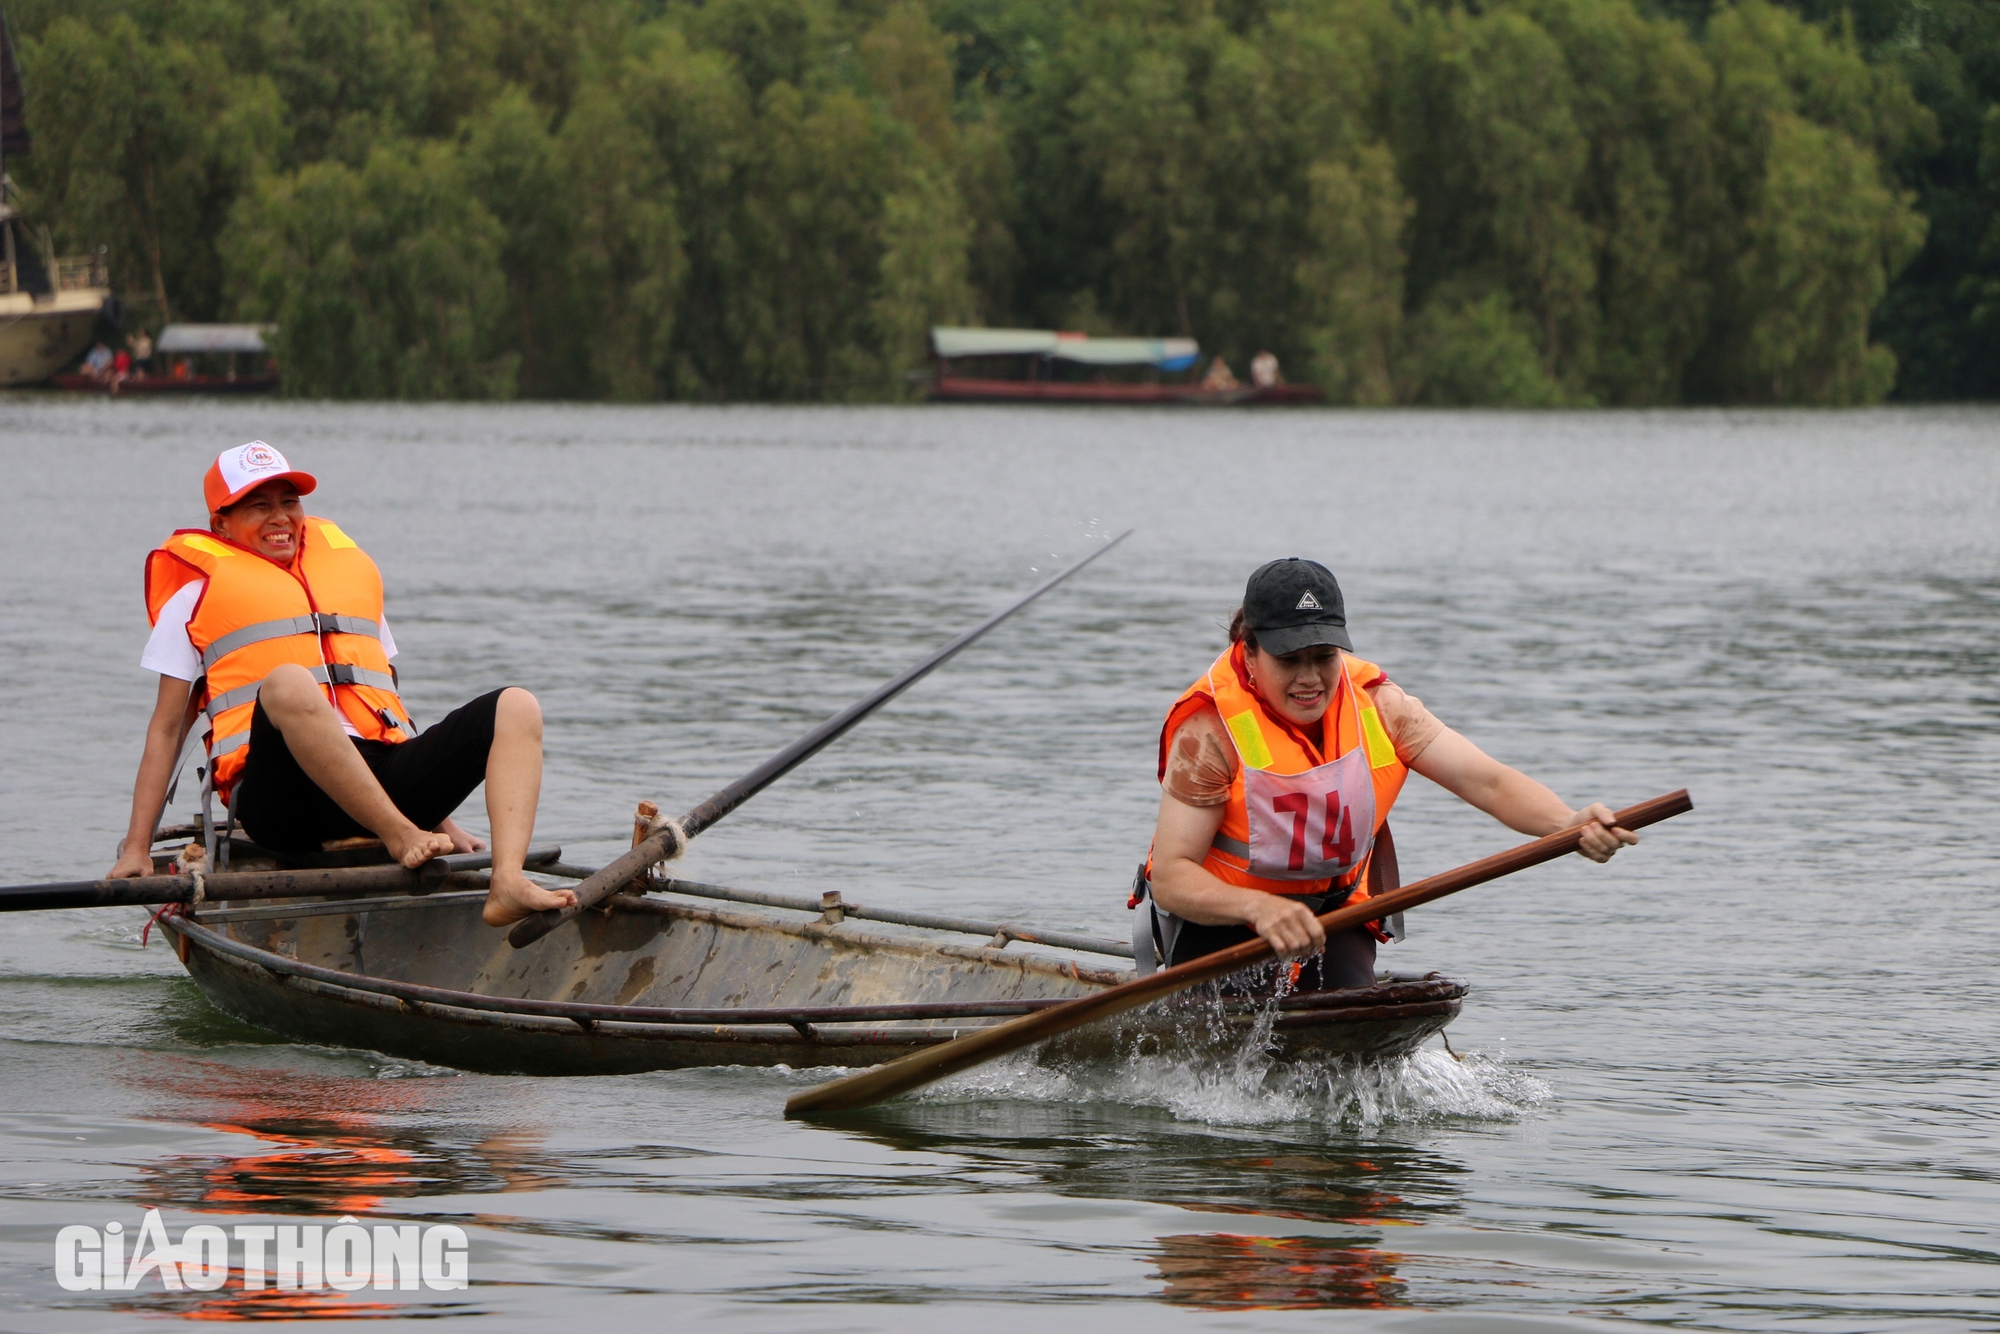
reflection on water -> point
(337, 1145)
(1098, 1153)
(330, 1146)
(1220, 1271)
(231, 1302)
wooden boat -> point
(948, 388)
(1054, 367)
(49, 304)
(662, 982)
(192, 359)
(125, 386)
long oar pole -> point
(645, 853)
(147, 890)
(934, 1063)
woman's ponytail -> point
(1239, 635)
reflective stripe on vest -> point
(318, 623)
(323, 613)
(338, 674)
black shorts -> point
(428, 777)
(1347, 961)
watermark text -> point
(344, 1256)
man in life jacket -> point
(1278, 768)
(269, 627)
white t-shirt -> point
(170, 652)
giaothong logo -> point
(344, 1256)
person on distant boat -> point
(142, 352)
(1264, 370)
(1278, 769)
(1219, 376)
(270, 626)
(97, 361)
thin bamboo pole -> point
(832, 908)
(148, 890)
(659, 844)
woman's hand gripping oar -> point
(668, 840)
(923, 1067)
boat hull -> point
(430, 982)
(39, 338)
(79, 383)
(968, 389)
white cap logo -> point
(246, 463)
(1307, 602)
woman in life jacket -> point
(1278, 769)
(269, 628)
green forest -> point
(1510, 202)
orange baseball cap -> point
(239, 471)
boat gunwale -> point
(589, 1013)
(767, 1033)
(1434, 994)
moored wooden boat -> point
(237, 358)
(949, 388)
(661, 983)
(1054, 367)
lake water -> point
(1746, 1077)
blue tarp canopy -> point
(1169, 354)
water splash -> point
(1212, 1073)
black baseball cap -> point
(1292, 604)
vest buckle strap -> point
(332, 623)
(347, 674)
(317, 623)
(1235, 847)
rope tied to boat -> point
(176, 907)
(193, 863)
(677, 836)
(650, 823)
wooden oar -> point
(147, 890)
(934, 1063)
(618, 874)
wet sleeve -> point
(1411, 726)
(168, 650)
(1201, 762)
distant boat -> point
(1047, 366)
(48, 304)
(193, 359)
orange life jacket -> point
(1271, 745)
(323, 612)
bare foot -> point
(418, 846)
(511, 897)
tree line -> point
(1527, 202)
